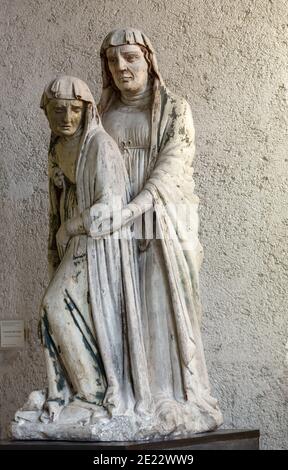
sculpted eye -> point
(132, 58)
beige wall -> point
(229, 59)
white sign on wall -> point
(12, 334)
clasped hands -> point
(99, 227)
(103, 225)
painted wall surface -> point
(229, 59)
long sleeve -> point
(173, 163)
(108, 186)
(54, 218)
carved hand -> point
(58, 177)
(106, 226)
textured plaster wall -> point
(229, 59)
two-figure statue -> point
(120, 320)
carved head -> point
(128, 67)
(128, 61)
(65, 101)
(65, 117)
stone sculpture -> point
(120, 320)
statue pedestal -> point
(226, 439)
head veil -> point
(71, 88)
(119, 37)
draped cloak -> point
(169, 180)
(101, 180)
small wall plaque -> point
(12, 334)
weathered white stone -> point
(120, 319)
(82, 425)
(230, 64)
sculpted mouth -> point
(125, 77)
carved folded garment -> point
(90, 313)
(121, 317)
(155, 134)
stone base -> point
(81, 421)
(215, 440)
(120, 428)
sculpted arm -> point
(108, 186)
(174, 158)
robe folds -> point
(126, 338)
(175, 250)
(113, 333)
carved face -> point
(128, 67)
(65, 116)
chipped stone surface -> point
(80, 424)
(231, 65)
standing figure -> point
(91, 305)
(154, 132)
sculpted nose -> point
(67, 115)
(122, 64)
